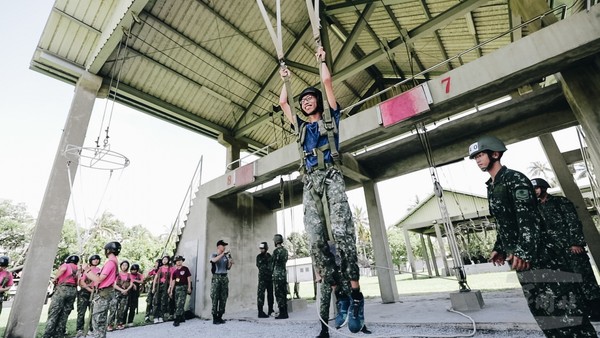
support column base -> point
(466, 301)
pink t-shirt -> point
(163, 273)
(86, 281)
(69, 276)
(110, 270)
(9, 278)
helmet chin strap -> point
(491, 164)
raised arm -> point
(326, 78)
(283, 97)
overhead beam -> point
(358, 28)
(423, 30)
(112, 33)
(351, 6)
(436, 36)
(75, 20)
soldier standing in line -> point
(137, 279)
(280, 257)
(333, 249)
(265, 280)
(63, 299)
(219, 287)
(553, 297)
(181, 286)
(85, 294)
(122, 287)
(6, 278)
(150, 295)
(565, 230)
(160, 288)
(105, 281)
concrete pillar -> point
(409, 253)
(433, 260)
(233, 148)
(27, 306)
(572, 192)
(427, 263)
(381, 246)
(440, 239)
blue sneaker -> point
(356, 314)
(342, 312)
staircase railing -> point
(184, 209)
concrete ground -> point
(505, 314)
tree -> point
(298, 244)
(363, 235)
(537, 169)
(397, 247)
(16, 228)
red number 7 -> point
(447, 80)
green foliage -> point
(397, 247)
(298, 245)
(16, 227)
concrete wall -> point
(243, 223)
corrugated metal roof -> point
(211, 65)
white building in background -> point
(299, 270)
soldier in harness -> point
(327, 215)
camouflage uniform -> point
(100, 305)
(122, 300)
(83, 304)
(279, 259)
(219, 287)
(265, 281)
(161, 297)
(59, 310)
(555, 306)
(564, 231)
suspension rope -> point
(277, 42)
(438, 190)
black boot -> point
(220, 318)
(262, 314)
(176, 321)
(182, 319)
(324, 331)
(282, 313)
(216, 320)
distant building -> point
(299, 269)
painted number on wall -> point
(446, 81)
(229, 180)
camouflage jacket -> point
(280, 257)
(264, 265)
(562, 222)
(513, 203)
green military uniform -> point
(219, 288)
(564, 231)
(265, 281)
(521, 232)
(279, 259)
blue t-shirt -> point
(313, 139)
(221, 264)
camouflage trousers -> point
(59, 310)
(122, 306)
(554, 299)
(580, 263)
(336, 263)
(149, 303)
(161, 301)
(281, 287)
(112, 307)
(83, 305)
(219, 291)
(264, 285)
(100, 304)
(180, 294)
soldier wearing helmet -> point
(324, 184)
(279, 259)
(6, 278)
(181, 286)
(120, 300)
(86, 289)
(521, 241)
(565, 231)
(65, 293)
(137, 279)
(265, 280)
(105, 281)
(150, 296)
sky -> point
(163, 157)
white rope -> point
(333, 329)
(79, 245)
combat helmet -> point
(4, 260)
(278, 239)
(135, 267)
(92, 257)
(484, 143)
(540, 182)
(264, 245)
(315, 92)
(114, 247)
(72, 259)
